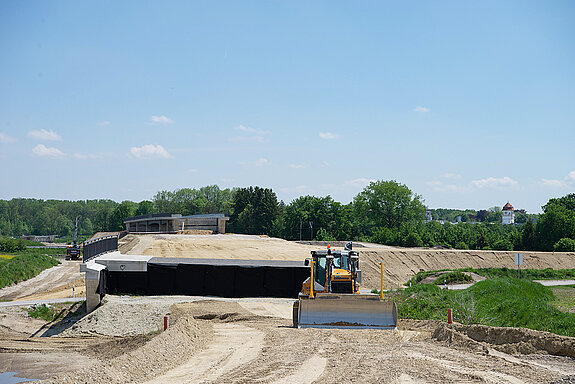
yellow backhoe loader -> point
(331, 297)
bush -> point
(502, 245)
(12, 245)
(564, 245)
(413, 240)
(461, 245)
(323, 235)
(452, 277)
(42, 311)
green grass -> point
(452, 277)
(532, 274)
(564, 298)
(25, 265)
(502, 302)
(43, 311)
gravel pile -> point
(122, 316)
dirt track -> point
(250, 340)
(223, 342)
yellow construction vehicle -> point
(331, 296)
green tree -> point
(564, 245)
(144, 207)
(556, 222)
(528, 242)
(121, 212)
(387, 204)
(254, 210)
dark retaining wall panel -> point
(210, 280)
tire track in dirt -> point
(307, 373)
(484, 375)
(233, 345)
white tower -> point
(508, 214)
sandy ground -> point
(244, 340)
(52, 283)
(251, 340)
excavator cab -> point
(335, 300)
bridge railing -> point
(99, 246)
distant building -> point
(173, 223)
(508, 214)
(428, 215)
(43, 239)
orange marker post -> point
(381, 291)
(312, 282)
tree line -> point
(384, 212)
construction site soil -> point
(217, 340)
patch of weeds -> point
(42, 311)
(150, 335)
(452, 277)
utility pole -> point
(311, 230)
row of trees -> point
(385, 212)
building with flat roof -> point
(174, 223)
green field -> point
(23, 265)
(502, 302)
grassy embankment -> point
(25, 264)
(501, 302)
(452, 276)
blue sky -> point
(470, 104)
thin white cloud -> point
(44, 134)
(150, 151)
(440, 186)
(42, 150)
(329, 135)
(453, 176)
(421, 109)
(104, 123)
(258, 163)
(161, 120)
(298, 190)
(567, 181)
(243, 128)
(360, 182)
(4, 138)
(298, 166)
(494, 182)
(252, 134)
(261, 162)
(553, 183)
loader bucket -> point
(346, 311)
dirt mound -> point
(97, 235)
(197, 232)
(117, 318)
(161, 353)
(508, 340)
